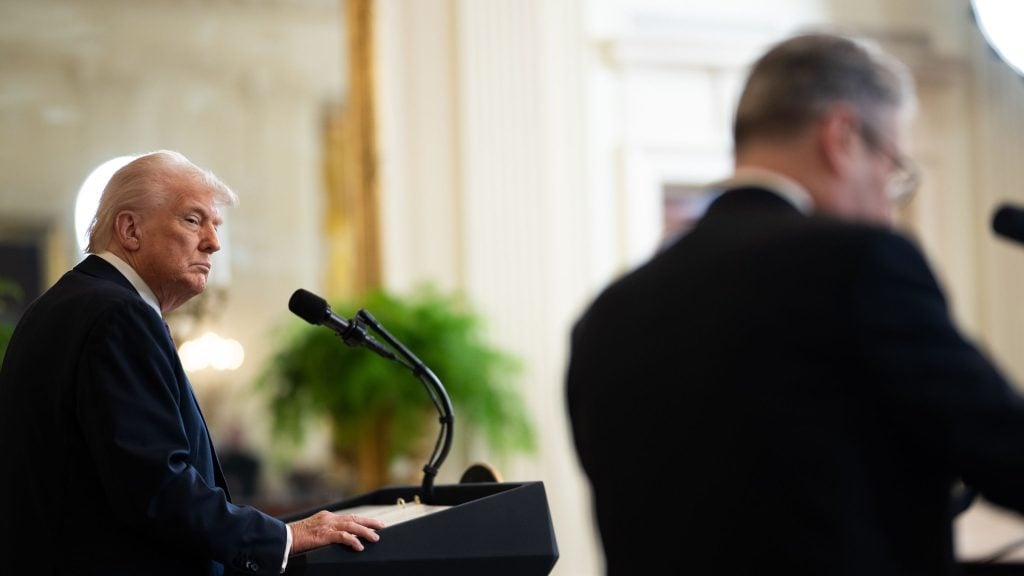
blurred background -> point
(515, 154)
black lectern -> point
(497, 529)
(491, 528)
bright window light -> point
(89, 196)
(999, 21)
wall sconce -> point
(203, 348)
(211, 351)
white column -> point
(483, 138)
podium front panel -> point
(496, 529)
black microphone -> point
(1008, 222)
(314, 309)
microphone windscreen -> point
(1008, 221)
(308, 306)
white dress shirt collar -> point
(782, 185)
(128, 272)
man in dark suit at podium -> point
(792, 356)
(108, 464)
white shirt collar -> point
(128, 272)
(782, 185)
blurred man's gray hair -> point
(798, 79)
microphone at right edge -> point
(316, 311)
(1008, 222)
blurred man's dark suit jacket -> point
(108, 464)
(777, 392)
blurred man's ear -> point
(838, 133)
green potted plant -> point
(377, 410)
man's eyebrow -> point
(205, 213)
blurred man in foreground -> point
(792, 355)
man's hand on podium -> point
(325, 528)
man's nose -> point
(211, 241)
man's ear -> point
(838, 137)
(127, 230)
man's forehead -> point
(200, 199)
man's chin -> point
(196, 286)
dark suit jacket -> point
(805, 378)
(108, 464)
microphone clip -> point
(354, 334)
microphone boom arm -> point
(437, 394)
